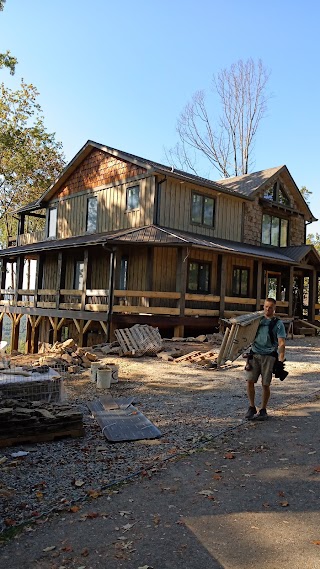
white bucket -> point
(114, 373)
(104, 378)
(94, 368)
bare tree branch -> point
(228, 142)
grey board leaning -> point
(123, 424)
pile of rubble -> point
(23, 420)
(67, 357)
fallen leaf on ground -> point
(281, 493)
(229, 455)
(317, 469)
(78, 483)
(216, 477)
(284, 504)
(316, 542)
(85, 552)
(74, 509)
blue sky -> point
(120, 73)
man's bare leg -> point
(251, 393)
(265, 396)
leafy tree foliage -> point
(314, 239)
(226, 140)
(30, 157)
(305, 193)
(6, 59)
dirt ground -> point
(189, 498)
(245, 495)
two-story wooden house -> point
(127, 240)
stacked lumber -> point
(139, 340)
(36, 421)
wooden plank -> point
(97, 307)
(98, 292)
(201, 312)
(70, 305)
(238, 300)
(203, 297)
(187, 357)
(146, 310)
(70, 291)
(147, 293)
(48, 291)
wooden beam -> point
(86, 326)
(313, 293)
(222, 267)
(58, 278)
(76, 323)
(258, 284)
(290, 292)
(103, 326)
(181, 280)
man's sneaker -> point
(250, 413)
(261, 416)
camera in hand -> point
(279, 370)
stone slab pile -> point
(26, 420)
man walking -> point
(267, 348)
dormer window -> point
(276, 193)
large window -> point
(123, 285)
(52, 222)
(240, 281)
(202, 210)
(199, 277)
(277, 194)
(78, 275)
(133, 197)
(92, 213)
(274, 231)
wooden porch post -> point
(2, 287)
(38, 279)
(290, 295)
(58, 279)
(112, 270)
(258, 285)
(181, 286)
(222, 264)
(312, 295)
(85, 277)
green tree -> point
(225, 139)
(30, 157)
(314, 239)
(6, 59)
(305, 193)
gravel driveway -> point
(188, 403)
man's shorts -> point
(261, 365)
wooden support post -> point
(19, 279)
(1, 324)
(178, 331)
(81, 333)
(38, 278)
(58, 279)
(223, 276)
(28, 337)
(258, 285)
(55, 329)
(290, 292)
(112, 270)
(312, 295)
(181, 278)
(84, 279)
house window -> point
(52, 222)
(78, 275)
(276, 193)
(240, 281)
(133, 197)
(199, 277)
(92, 214)
(274, 231)
(202, 210)
(123, 285)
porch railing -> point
(135, 302)
(27, 238)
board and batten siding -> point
(175, 211)
(111, 215)
(238, 262)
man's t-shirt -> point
(262, 343)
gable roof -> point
(244, 187)
(249, 185)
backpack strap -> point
(273, 322)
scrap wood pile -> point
(36, 421)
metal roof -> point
(162, 236)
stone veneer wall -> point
(252, 221)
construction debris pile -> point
(67, 357)
(35, 421)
